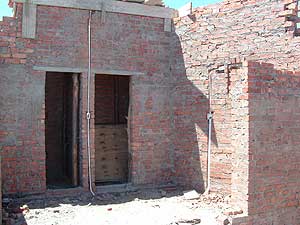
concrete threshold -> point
(129, 187)
(115, 188)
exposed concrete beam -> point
(82, 70)
(118, 72)
(154, 2)
(29, 20)
(110, 6)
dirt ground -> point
(148, 207)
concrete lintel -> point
(84, 70)
(59, 69)
(110, 6)
(118, 72)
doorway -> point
(111, 138)
(61, 129)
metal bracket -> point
(88, 115)
(210, 116)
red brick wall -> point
(169, 103)
(274, 108)
(239, 101)
(21, 114)
(123, 42)
(266, 135)
(211, 37)
(104, 99)
(111, 99)
(13, 50)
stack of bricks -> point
(291, 15)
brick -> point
(287, 13)
(257, 77)
(251, 101)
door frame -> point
(129, 116)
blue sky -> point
(178, 3)
(6, 11)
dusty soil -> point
(148, 207)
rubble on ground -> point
(158, 206)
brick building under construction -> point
(111, 92)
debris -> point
(212, 198)
(226, 222)
(190, 195)
(163, 193)
(193, 222)
(24, 208)
(222, 219)
(148, 205)
(227, 199)
(232, 211)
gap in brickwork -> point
(111, 137)
(298, 23)
(61, 133)
(291, 14)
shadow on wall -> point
(274, 109)
(190, 108)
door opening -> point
(61, 133)
(111, 138)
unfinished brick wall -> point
(123, 42)
(239, 101)
(266, 138)
(274, 139)
(274, 109)
(291, 14)
(169, 103)
(205, 41)
(22, 114)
